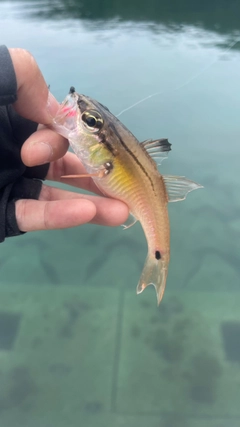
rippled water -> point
(84, 349)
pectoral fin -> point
(99, 174)
(178, 187)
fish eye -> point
(92, 120)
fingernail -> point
(41, 152)
(52, 105)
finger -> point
(43, 146)
(34, 100)
(32, 215)
(71, 165)
(109, 212)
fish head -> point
(81, 116)
(90, 128)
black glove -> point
(16, 180)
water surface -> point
(134, 368)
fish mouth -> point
(65, 120)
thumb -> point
(34, 101)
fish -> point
(125, 169)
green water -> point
(79, 348)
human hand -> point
(56, 208)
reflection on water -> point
(221, 16)
(78, 346)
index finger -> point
(34, 102)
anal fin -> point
(130, 221)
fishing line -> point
(195, 76)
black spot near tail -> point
(157, 255)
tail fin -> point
(154, 273)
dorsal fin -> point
(158, 149)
